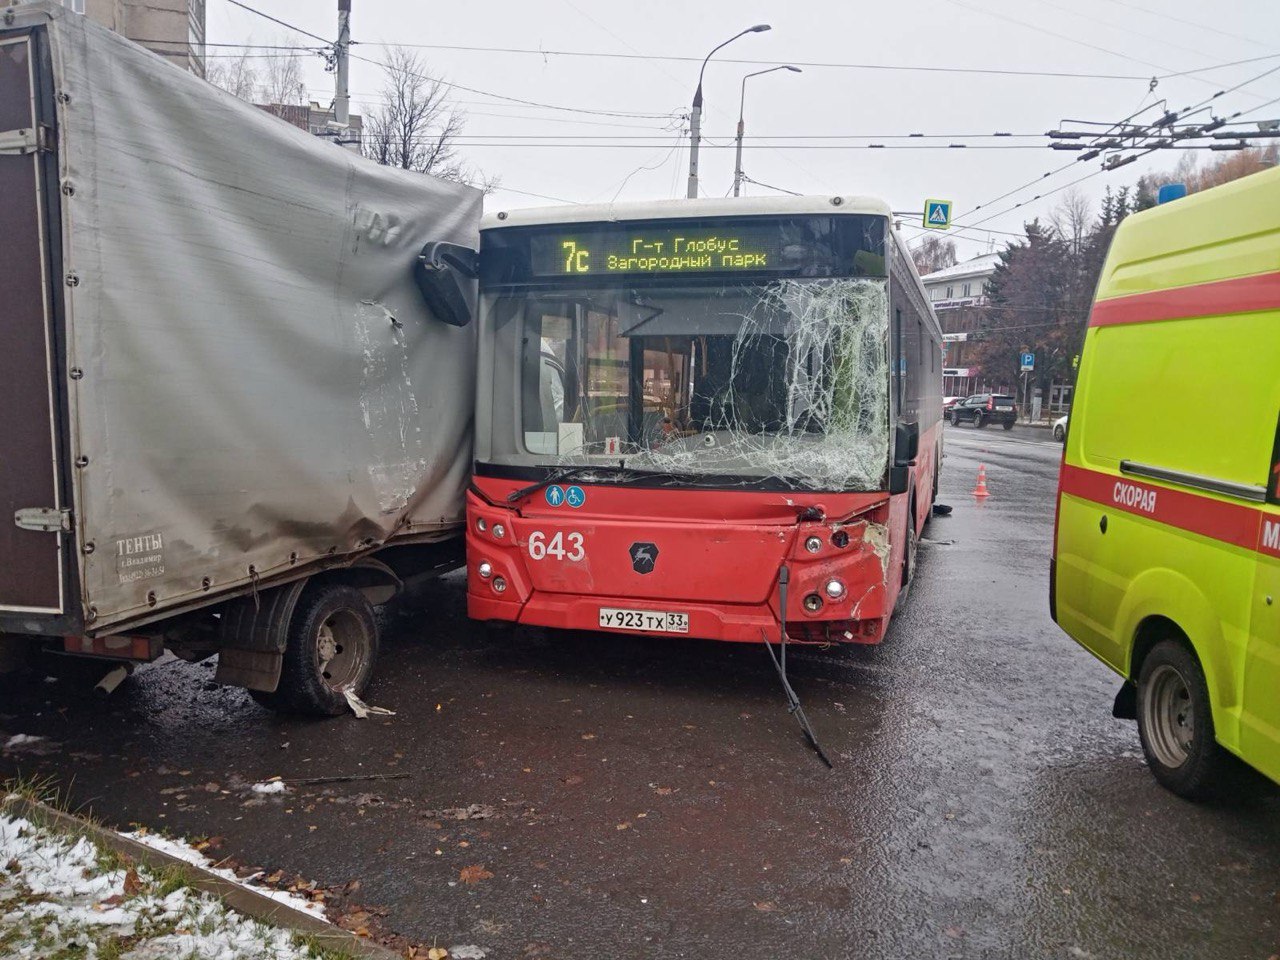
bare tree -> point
(282, 80)
(416, 127)
(935, 253)
(235, 75)
(1073, 219)
(276, 77)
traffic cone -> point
(981, 491)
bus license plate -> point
(655, 621)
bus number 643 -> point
(561, 546)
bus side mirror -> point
(446, 276)
(906, 444)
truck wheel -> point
(332, 646)
(978, 421)
(1175, 723)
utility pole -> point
(742, 107)
(695, 116)
(341, 96)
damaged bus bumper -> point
(697, 563)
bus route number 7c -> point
(575, 260)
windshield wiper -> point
(557, 476)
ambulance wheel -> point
(978, 421)
(1175, 723)
(332, 646)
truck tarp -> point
(256, 381)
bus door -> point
(1260, 740)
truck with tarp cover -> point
(236, 371)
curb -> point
(242, 899)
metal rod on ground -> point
(780, 665)
(349, 778)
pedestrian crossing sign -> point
(937, 214)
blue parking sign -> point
(1028, 361)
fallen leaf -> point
(437, 953)
(664, 791)
(765, 906)
(955, 933)
(473, 874)
(113, 901)
(624, 826)
(588, 736)
(13, 866)
(132, 884)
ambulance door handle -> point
(1102, 524)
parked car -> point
(1060, 429)
(948, 403)
(984, 408)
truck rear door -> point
(30, 506)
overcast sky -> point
(641, 155)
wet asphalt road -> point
(652, 798)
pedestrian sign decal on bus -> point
(555, 495)
(937, 214)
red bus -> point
(709, 418)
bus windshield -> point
(717, 350)
(785, 379)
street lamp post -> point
(695, 117)
(742, 104)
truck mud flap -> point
(252, 634)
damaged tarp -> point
(255, 380)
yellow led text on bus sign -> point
(673, 254)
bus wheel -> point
(908, 558)
(1175, 723)
(332, 646)
(978, 421)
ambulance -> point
(1166, 557)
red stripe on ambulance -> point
(1219, 297)
(1233, 523)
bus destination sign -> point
(664, 250)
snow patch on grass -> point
(62, 896)
(184, 851)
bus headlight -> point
(499, 531)
(485, 569)
(481, 525)
(813, 603)
(834, 589)
(813, 544)
(499, 585)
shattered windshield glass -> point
(785, 379)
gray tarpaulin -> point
(262, 382)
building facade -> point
(172, 28)
(319, 122)
(958, 294)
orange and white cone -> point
(981, 491)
